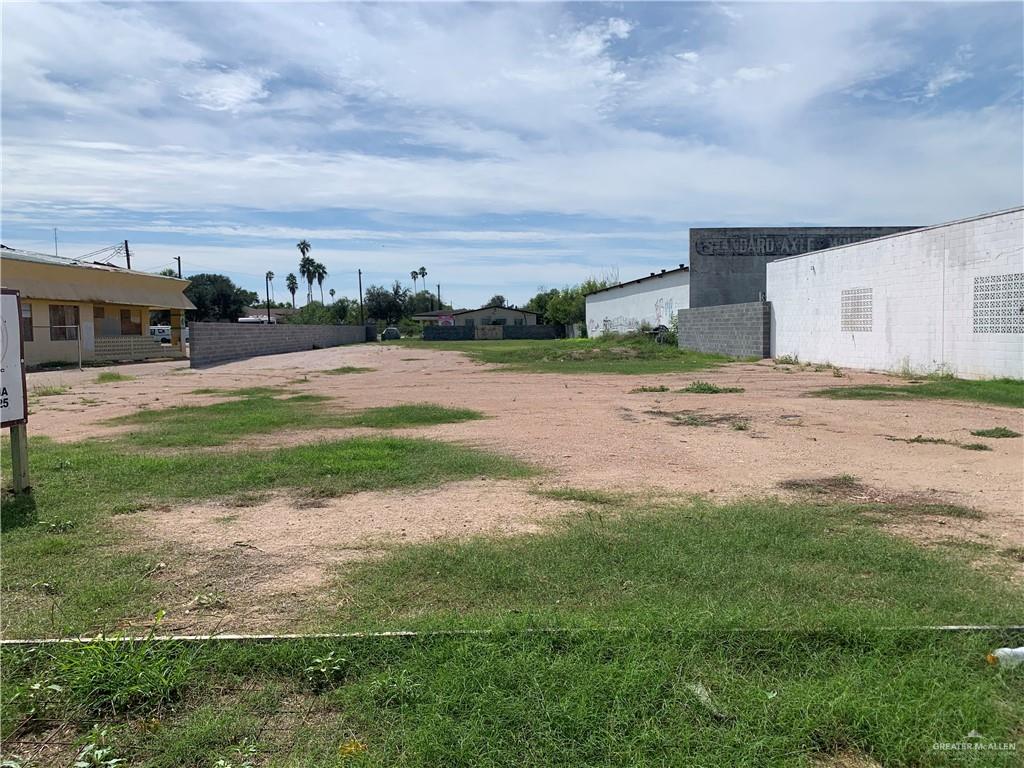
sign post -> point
(13, 393)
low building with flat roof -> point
(74, 310)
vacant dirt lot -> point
(586, 430)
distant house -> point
(99, 311)
(482, 316)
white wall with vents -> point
(947, 298)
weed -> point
(57, 526)
(325, 671)
(50, 390)
(107, 377)
(395, 689)
(922, 440)
(347, 369)
(995, 432)
(659, 388)
(740, 425)
(787, 360)
(96, 753)
(210, 601)
(244, 755)
(707, 388)
(118, 676)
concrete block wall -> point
(212, 343)
(530, 332)
(448, 333)
(742, 330)
(927, 313)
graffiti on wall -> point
(661, 313)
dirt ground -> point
(587, 431)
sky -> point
(503, 147)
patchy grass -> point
(922, 440)
(761, 564)
(668, 697)
(108, 377)
(640, 390)
(625, 355)
(848, 489)
(412, 415)
(49, 390)
(1008, 392)
(261, 411)
(83, 580)
(583, 495)
(996, 432)
(698, 418)
(707, 388)
(345, 369)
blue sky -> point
(504, 147)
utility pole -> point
(362, 319)
(439, 305)
(127, 255)
(54, 241)
(178, 259)
(269, 275)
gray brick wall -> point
(742, 330)
(447, 332)
(468, 332)
(212, 343)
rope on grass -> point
(242, 638)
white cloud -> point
(226, 91)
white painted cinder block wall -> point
(922, 300)
(654, 300)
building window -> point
(63, 322)
(26, 321)
(999, 303)
(99, 313)
(131, 322)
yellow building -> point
(93, 311)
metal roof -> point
(652, 276)
(70, 280)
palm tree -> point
(423, 277)
(320, 273)
(415, 275)
(307, 268)
(332, 294)
(293, 286)
(305, 265)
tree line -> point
(217, 298)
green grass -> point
(991, 391)
(262, 411)
(412, 415)
(107, 377)
(625, 355)
(707, 388)
(539, 700)
(642, 390)
(995, 432)
(83, 579)
(49, 390)
(347, 369)
(753, 564)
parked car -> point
(391, 333)
(163, 333)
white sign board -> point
(13, 403)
